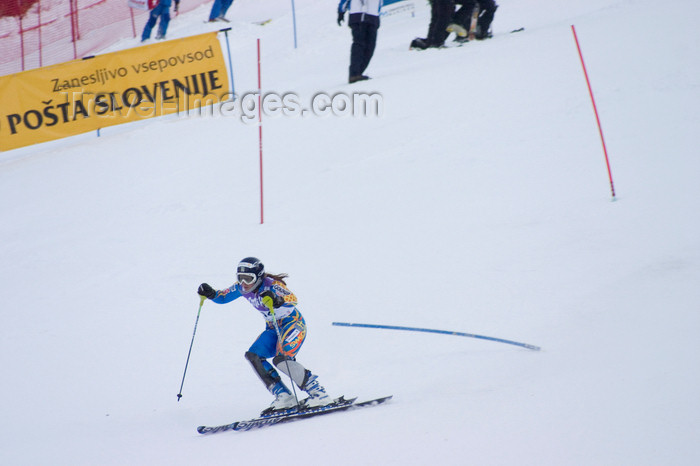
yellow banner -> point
(85, 95)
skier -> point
(162, 11)
(462, 18)
(282, 338)
(219, 9)
(441, 12)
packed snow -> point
(478, 201)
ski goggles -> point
(247, 278)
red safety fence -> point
(36, 33)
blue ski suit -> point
(290, 322)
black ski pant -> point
(364, 39)
(440, 17)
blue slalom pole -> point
(443, 332)
(294, 20)
(230, 64)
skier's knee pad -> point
(279, 358)
(265, 371)
(253, 358)
(292, 368)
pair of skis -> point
(280, 416)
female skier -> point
(282, 338)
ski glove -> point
(206, 291)
(271, 300)
(268, 303)
(341, 17)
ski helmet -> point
(250, 273)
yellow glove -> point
(269, 303)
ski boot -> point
(317, 394)
(283, 398)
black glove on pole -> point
(206, 291)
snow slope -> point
(478, 202)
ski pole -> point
(201, 303)
(286, 362)
(279, 344)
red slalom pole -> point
(260, 136)
(595, 110)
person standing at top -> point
(162, 11)
(364, 22)
(285, 332)
(219, 9)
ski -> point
(269, 412)
(472, 25)
(421, 44)
(270, 417)
(290, 415)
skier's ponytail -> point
(277, 277)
